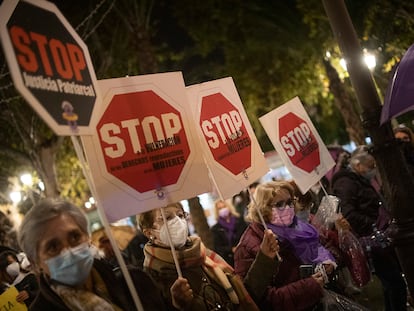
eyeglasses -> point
(169, 216)
(183, 215)
(281, 205)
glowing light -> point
(27, 180)
(342, 62)
(370, 60)
(16, 196)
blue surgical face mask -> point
(303, 215)
(72, 266)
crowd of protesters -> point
(270, 253)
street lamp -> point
(90, 203)
(369, 60)
(41, 186)
(16, 197)
(27, 179)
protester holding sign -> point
(54, 235)
(12, 273)
(9, 302)
(207, 281)
(299, 245)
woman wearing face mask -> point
(363, 206)
(13, 274)
(227, 231)
(207, 282)
(54, 235)
(299, 245)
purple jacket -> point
(285, 290)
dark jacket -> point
(359, 201)
(30, 285)
(222, 245)
(202, 285)
(151, 298)
(209, 293)
(135, 250)
(283, 289)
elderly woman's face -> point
(282, 207)
(282, 200)
(177, 229)
(61, 233)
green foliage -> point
(267, 50)
(71, 180)
(272, 49)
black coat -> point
(30, 285)
(359, 201)
(150, 296)
(222, 245)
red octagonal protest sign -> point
(50, 65)
(143, 140)
(299, 142)
(225, 133)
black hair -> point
(3, 258)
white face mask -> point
(24, 262)
(13, 269)
(178, 230)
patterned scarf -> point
(161, 260)
(87, 299)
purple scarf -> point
(304, 239)
(229, 227)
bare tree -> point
(200, 222)
(345, 104)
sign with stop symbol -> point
(229, 145)
(144, 154)
(50, 65)
(298, 143)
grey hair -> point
(35, 222)
(360, 155)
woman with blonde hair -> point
(299, 245)
(227, 231)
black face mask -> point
(408, 151)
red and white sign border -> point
(227, 184)
(270, 122)
(6, 10)
(194, 174)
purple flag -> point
(400, 94)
